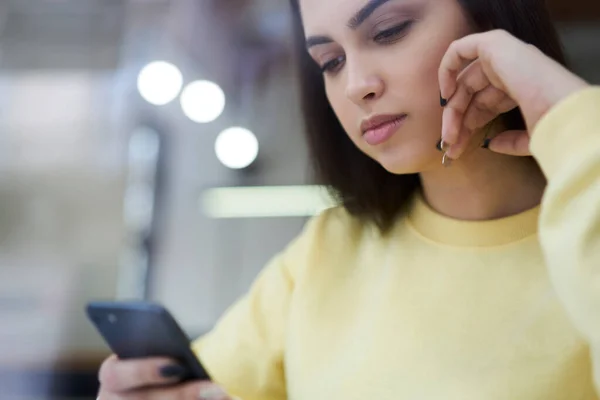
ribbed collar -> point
(453, 232)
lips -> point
(381, 128)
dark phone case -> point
(141, 330)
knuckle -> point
(452, 47)
(480, 104)
(501, 33)
(459, 110)
(497, 36)
(471, 123)
(475, 123)
(103, 394)
(470, 90)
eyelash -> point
(387, 36)
(331, 65)
(392, 34)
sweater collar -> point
(442, 229)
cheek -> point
(416, 84)
(423, 83)
(431, 43)
(344, 109)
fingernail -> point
(172, 371)
(486, 143)
(441, 145)
(211, 393)
(443, 101)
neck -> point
(483, 185)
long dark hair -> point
(356, 181)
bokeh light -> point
(236, 147)
(160, 82)
(203, 101)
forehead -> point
(321, 16)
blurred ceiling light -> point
(265, 202)
(236, 147)
(203, 101)
(160, 82)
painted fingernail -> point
(172, 371)
(486, 143)
(443, 101)
(211, 393)
(442, 146)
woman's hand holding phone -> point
(151, 379)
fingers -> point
(513, 143)
(471, 81)
(189, 391)
(451, 126)
(455, 151)
(459, 55)
(474, 103)
(124, 375)
(483, 47)
(486, 106)
(474, 73)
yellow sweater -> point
(440, 309)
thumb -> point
(512, 143)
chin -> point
(403, 167)
(411, 162)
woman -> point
(469, 280)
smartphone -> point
(141, 330)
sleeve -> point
(244, 352)
(566, 144)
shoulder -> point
(333, 234)
(336, 224)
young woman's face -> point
(380, 62)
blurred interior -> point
(105, 195)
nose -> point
(363, 84)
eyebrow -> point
(357, 20)
(364, 13)
(317, 40)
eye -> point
(333, 65)
(392, 34)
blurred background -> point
(150, 149)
